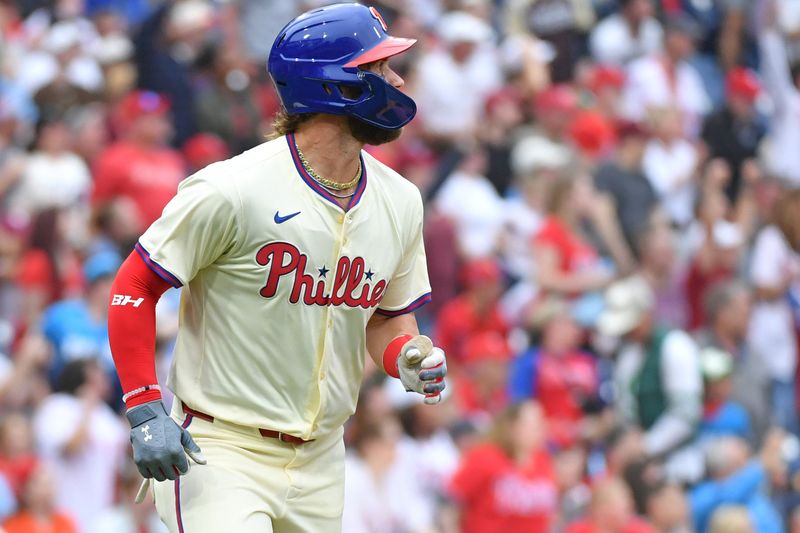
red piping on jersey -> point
(178, 515)
(413, 306)
(319, 189)
(162, 272)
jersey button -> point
(322, 376)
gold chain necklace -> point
(329, 184)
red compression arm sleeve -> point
(132, 327)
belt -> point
(267, 433)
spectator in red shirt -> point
(555, 108)
(716, 261)
(606, 83)
(140, 166)
(481, 387)
(566, 262)
(17, 460)
(508, 483)
(474, 311)
(566, 378)
(611, 509)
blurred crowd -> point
(612, 214)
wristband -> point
(392, 353)
(142, 395)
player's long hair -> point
(285, 122)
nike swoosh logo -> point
(280, 220)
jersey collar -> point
(319, 189)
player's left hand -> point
(422, 368)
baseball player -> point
(297, 259)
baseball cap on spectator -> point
(606, 76)
(499, 97)
(592, 133)
(101, 265)
(203, 149)
(715, 364)
(628, 129)
(480, 271)
(727, 235)
(558, 98)
(743, 83)
(627, 301)
(487, 346)
(460, 27)
(138, 104)
(535, 153)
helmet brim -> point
(386, 48)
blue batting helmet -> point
(319, 53)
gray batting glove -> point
(422, 368)
(159, 443)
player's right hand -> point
(159, 444)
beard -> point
(369, 134)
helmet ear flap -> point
(386, 107)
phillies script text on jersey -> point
(284, 259)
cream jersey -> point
(279, 283)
